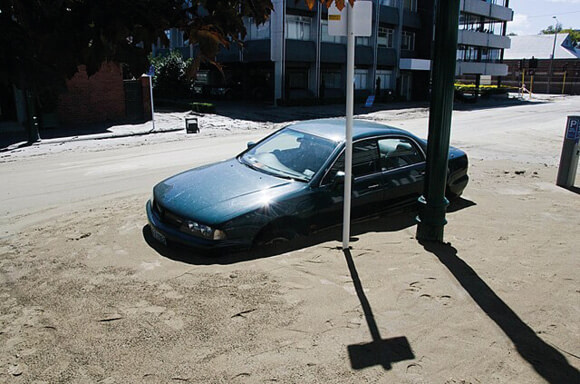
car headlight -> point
(202, 230)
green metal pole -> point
(433, 203)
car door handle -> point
(373, 186)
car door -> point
(402, 164)
(367, 187)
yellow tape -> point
(334, 17)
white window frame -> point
(386, 35)
(408, 41)
(363, 40)
(361, 78)
(303, 28)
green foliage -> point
(203, 107)
(551, 29)
(574, 33)
(484, 90)
(170, 80)
(43, 42)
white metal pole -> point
(349, 117)
(151, 97)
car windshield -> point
(290, 154)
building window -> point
(361, 78)
(297, 79)
(332, 80)
(474, 23)
(363, 40)
(408, 41)
(385, 38)
(410, 5)
(298, 27)
(258, 32)
(330, 39)
(385, 77)
(389, 3)
(490, 55)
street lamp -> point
(550, 73)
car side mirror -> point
(251, 144)
(338, 179)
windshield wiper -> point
(251, 163)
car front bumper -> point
(174, 235)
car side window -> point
(398, 152)
(365, 158)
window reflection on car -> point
(290, 154)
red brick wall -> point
(94, 99)
(146, 97)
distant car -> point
(291, 183)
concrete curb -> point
(98, 136)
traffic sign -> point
(362, 19)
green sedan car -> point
(292, 183)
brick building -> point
(98, 98)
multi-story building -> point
(482, 38)
(292, 56)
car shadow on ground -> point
(391, 222)
(546, 360)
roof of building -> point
(540, 46)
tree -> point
(43, 42)
(551, 29)
(574, 33)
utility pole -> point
(550, 72)
(433, 203)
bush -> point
(203, 107)
(170, 80)
(484, 90)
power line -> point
(552, 14)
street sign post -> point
(351, 21)
(151, 73)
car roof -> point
(334, 129)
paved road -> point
(36, 188)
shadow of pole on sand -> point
(545, 359)
(380, 351)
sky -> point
(531, 16)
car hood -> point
(219, 192)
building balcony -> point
(390, 15)
(415, 64)
(482, 39)
(480, 68)
(483, 8)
